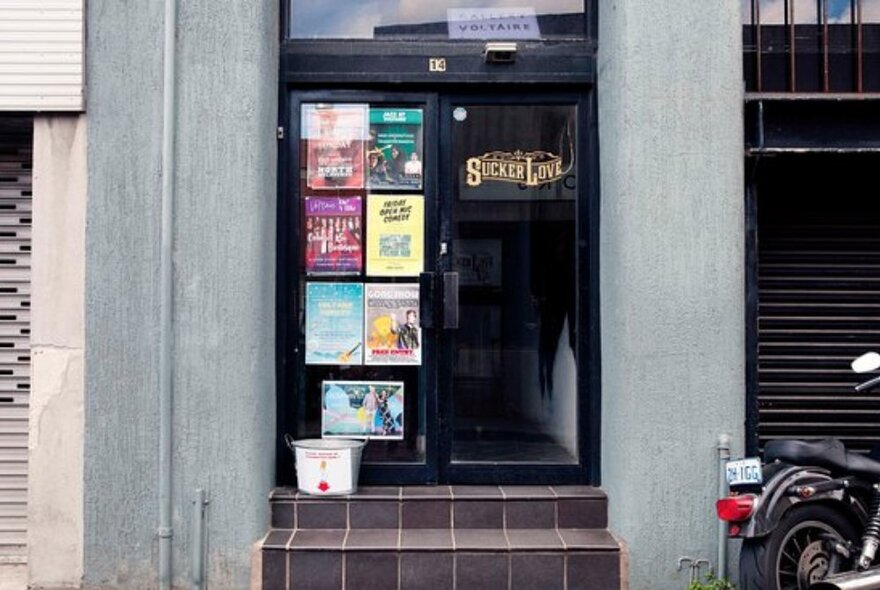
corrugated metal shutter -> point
(819, 307)
(41, 55)
(16, 137)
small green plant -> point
(711, 583)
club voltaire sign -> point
(493, 23)
(527, 168)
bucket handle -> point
(288, 440)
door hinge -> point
(279, 133)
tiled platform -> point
(443, 537)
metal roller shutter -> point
(15, 253)
(818, 304)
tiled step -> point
(437, 507)
(445, 538)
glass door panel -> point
(513, 242)
(361, 214)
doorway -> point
(439, 269)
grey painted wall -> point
(670, 112)
(224, 259)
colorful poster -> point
(333, 235)
(395, 154)
(334, 323)
(392, 325)
(395, 235)
(362, 409)
(335, 136)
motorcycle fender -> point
(774, 501)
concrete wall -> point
(672, 273)
(55, 455)
(224, 257)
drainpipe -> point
(723, 458)
(166, 287)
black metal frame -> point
(751, 289)
(348, 71)
(820, 55)
(588, 359)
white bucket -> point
(326, 467)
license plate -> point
(744, 472)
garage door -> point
(15, 254)
(818, 297)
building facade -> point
(589, 333)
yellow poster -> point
(395, 235)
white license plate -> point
(744, 472)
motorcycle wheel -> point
(793, 556)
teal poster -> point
(334, 323)
(395, 149)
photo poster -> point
(334, 235)
(392, 324)
(335, 138)
(395, 149)
(362, 409)
(395, 235)
(334, 323)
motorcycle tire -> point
(764, 566)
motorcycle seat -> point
(829, 453)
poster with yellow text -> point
(395, 235)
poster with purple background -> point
(333, 235)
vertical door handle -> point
(426, 296)
(450, 300)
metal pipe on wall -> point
(166, 289)
(723, 458)
(200, 503)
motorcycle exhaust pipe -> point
(866, 580)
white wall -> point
(55, 495)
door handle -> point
(450, 300)
(426, 296)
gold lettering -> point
(474, 177)
(515, 167)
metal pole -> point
(166, 287)
(198, 545)
(723, 457)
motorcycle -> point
(809, 515)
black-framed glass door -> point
(515, 340)
(462, 226)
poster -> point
(334, 323)
(395, 235)
(362, 409)
(394, 153)
(392, 324)
(333, 235)
(335, 136)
